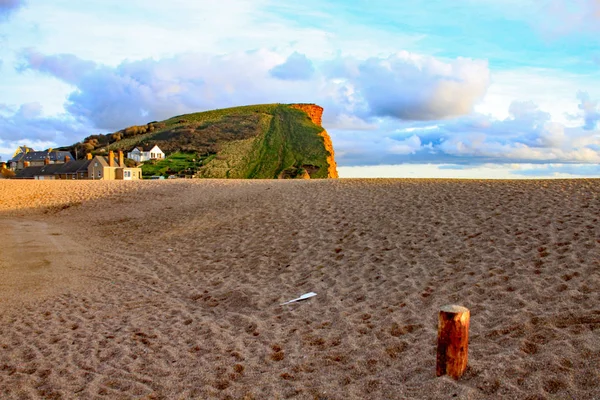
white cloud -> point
(297, 67)
(549, 89)
(528, 135)
(414, 87)
(29, 123)
(591, 110)
(409, 145)
(404, 85)
(372, 106)
(350, 123)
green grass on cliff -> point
(260, 141)
(216, 115)
(174, 164)
(292, 141)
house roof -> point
(42, 155)
(29, 172)
(21, 149)
(146, 147)
(70, 167)
(74, 166)
(104, 161)
(101, 160)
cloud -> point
(386, 110)
(566, 16)
(139, 91)
(296, 67)
(348, 122)
(404, 86)
(9, 6)
(528, 135)
(591, 110)
(409, 145)
(412, 87)
(65, 67)
(26, 125)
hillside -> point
(259, 141)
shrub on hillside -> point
(7, 173)
(129, 163)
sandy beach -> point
(172, 289)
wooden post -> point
(453, 341)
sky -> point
(436, 88)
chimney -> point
(46, 160)
(121, 159)
(89, 156)
(67, 159)
(111, 158)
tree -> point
(7, 173)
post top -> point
(453, 308)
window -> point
(99, 174)
(127, 174)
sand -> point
(171, 289)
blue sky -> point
(470, 88)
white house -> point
(145, 153)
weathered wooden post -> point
(453, 341)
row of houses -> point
(28, 157)
(42, 165)
(93, 167)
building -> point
(111, 168)
(22, 150)
(34, 158)
(97, 167)
(145, 153)
(69, 170)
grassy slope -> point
(257, 141)
(292, 140)
(175, 164)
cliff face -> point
(314, 111)
(315, 114)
